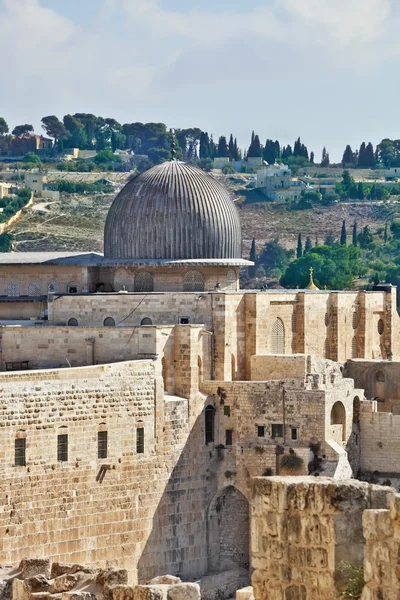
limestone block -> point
(148, 592)
(112, 577)
(64, 583)
(245, 593)
(37, 583)
(59, 568)
(165, 579)
(34, 566)
(19, 590)
(184, 591)
(78, 596)
(122, 592)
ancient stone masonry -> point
(302, 529)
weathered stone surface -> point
(112, 577)
(37, 583)
(34, 566)
(245, 593)
(59, 568)
(148, 592)
(184, 591)
(122, 592)
(165, 579)
(65, 582)
(78, 595)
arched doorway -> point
(338, 417)
(228, 531)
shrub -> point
(354, 577)
(291, 463)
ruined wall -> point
(143, 511)
(379, 440)
(302, 529)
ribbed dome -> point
(172, 211)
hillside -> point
(76, 222)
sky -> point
(325, 70)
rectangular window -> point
(260, 430)
(293, 433)
(227, 411)
(228, 437)
(20, 452)
(184, 320)
(102, 444)
(62, 447)
(277, 430)
(140, 440)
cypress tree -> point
(369, 157)
(361, 156)
(360, 191)
(297, 150)
(231, 147)
(222, 150)
(343, 234)
(253, 257)
(299, 251)
(255, 147)
(307, 245)
(385, 235)
(348, 157)
(312, 157)
(354, 242)
(325, 158)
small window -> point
(354, 321)
(209, 424)
(381, 326)
(53, 287)
(34, 289)
(102, 438)
(72, 289)
(13, 289)
(184, 320)
(277, 430)
(294, 434)
(62, 447)
(260, 430)
(228, 437)
(227, 411)
(73, 323)
(146, 321)
(109, 322)
(140, 440)
(20, 452)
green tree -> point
(21, 129)
(385, 234)
(6, 240)
(222, 150)
(343, 234)
(255, 147)
(105, 156)
(299, 251)
(312, 158)
(395, 229)
(360, 191)
(275, 258)
(355, 240)
(31, 157)
(365, 237)
(54, 128)
(348, 159)
(308, 245)
(271, 151)
(325, 158)
(3, 126)
(387, 152)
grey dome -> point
(173, 211)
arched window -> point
(13, 289)
(193, 281)
(381, 326)
(146, 321)
(209, 414)
(34, 288)
(143, 282)
(338, 417)
(380, 385)
(354, 321)
(73, 322)
(354, 349)
(231, 280)
(53, 287)
(109, 322)
(277, 337)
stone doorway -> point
(228, 531)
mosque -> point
(142, 390)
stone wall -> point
(24, 275)
(302, 530)
(379, 440)
(379, 379)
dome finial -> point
(311, 285)
(173, 145)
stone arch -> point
(379, 385)
(143, 282)
(338, 417)
(278, 337)
(146, 321)
(193, 281)
(109, 322)
(228, 530)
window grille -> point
(355, 320)
(13, 289)
(20, 452)
(278, 337)
(277, 430)
(34, 289)
(140, 440)
(102, 439)
(228, 437)
(143, 282)
(260, 431)
(193, 281)
(62, 447)
(53, 287)
(209, 424)
(354, 350)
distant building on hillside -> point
(275, 181)
(28, 142)
(37, 182)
